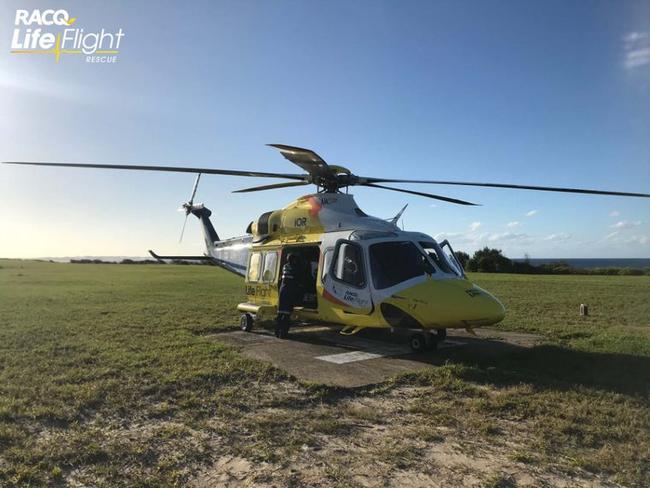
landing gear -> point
(418, 342)
(246, 322)
(421, 342)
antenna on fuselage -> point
(395, 219)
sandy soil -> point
(390, 454)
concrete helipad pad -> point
(322, 355)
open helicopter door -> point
(345, 278)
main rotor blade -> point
(428, 195)
(196, 185)
(307, 159)
(505, 185)
(176, 169)
(272, 187)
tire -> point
(246, 322)
(417, 342)
(441, 334)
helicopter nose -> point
(453, 303)
(480, 307)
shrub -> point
(488, 260)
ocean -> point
(586, 263)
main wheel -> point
(417, 342)
(246, 322)
(441, 334)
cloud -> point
(559, 237)
(475, 240)
(512, 224)
(518, 237)
(531, 213)
(618, 238)
(625, 224)
(637, 50)
(640, 239)
(614, 213)
(432, 205)
(474, 226)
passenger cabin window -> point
(392, 263)
(254, 266)
(348, 264)
(270, 266)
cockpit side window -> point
(347, 264)
(395, 262)
(438, 257)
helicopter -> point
(360, 272)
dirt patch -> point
(392, 447)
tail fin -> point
(230, 254)
(203, 214)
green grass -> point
(107, 377)
(619, 309)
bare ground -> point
(386, 445)
(391, 447)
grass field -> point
(108, 377)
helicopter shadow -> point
(503, 363)
(548, 366)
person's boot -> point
(284, 331)
(280, 326)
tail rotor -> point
(187, 206)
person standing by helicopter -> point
(288, 295)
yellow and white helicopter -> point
(360, 271)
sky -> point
(543, 93)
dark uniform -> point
(288, 295)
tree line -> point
(489, 260)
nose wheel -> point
(421, 342)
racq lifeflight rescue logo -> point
(56, 33)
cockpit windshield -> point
(394, 262)
(445, 260)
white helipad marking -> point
(377, 350)
(377, 347)
(349, 357)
